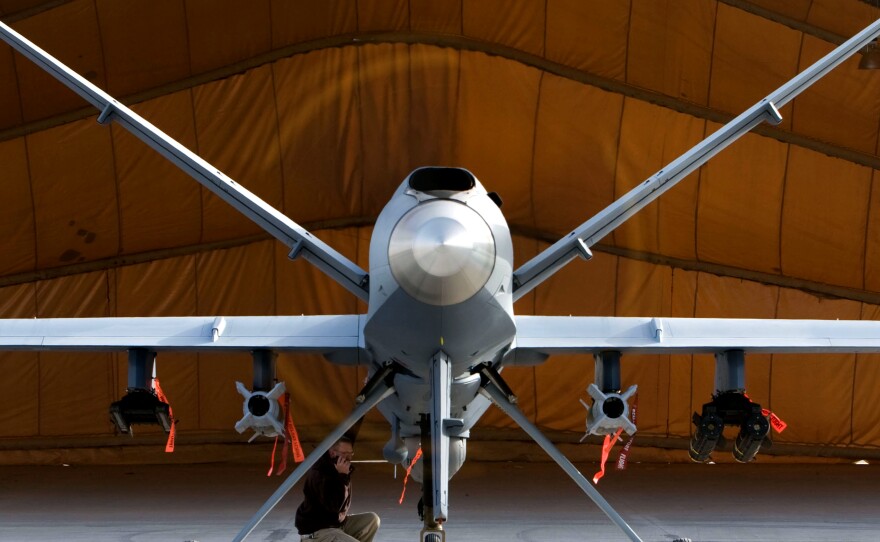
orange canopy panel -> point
(321, 108)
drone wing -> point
(301, 242)
(328, 335)
(547, 335)
(590, 232)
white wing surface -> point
(571, 335)
(315, 334)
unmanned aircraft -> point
(440, 325)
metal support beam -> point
(607, 375)
(497, 396)
(427, 471)
(441, 386)
(139, 370)
(264, 369)
(730, 371)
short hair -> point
(343, 438)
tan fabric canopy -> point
(322, 108)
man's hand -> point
(343, 465)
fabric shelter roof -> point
(323, 107)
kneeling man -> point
(323, 515)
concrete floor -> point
(488, 502)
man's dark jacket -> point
(327, 497)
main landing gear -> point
(730, 406)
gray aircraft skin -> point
(441, 268)
(440, 324)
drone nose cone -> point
(441, 252)
(442, 247)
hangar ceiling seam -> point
(466, 44)
(533, 370)
(770, 378)
(743, 5)
(691, 357)
(358, 100)
(784, 190)
(197, 300)
(815, 288)
(278, 137)
(866, 240)
(33, 201)
(629, 19)
(697, 206)
(113, 159)
(362, 168)
(617, 158)
(35, 10)
(15, 77)
(274, 272)
(533, 213)
(111, 309)
(699, 172)
(782, 194)
(855, 374)
(187, 42)
(456, 131)
(877, 144)
(203, 192)
(852, 403)
(794, 24)
(830, 291)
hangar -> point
(322, 108)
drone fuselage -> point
(441, 267)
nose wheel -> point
(432, 531)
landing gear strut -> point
(432, 531)
(729, 406)
(493, 387)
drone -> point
(440, 325)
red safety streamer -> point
(298, 454)
(408, 471)
(169, 446)
(624, 454)
(775, 421)
(291, 440)
(606, 449)
(272, 458)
